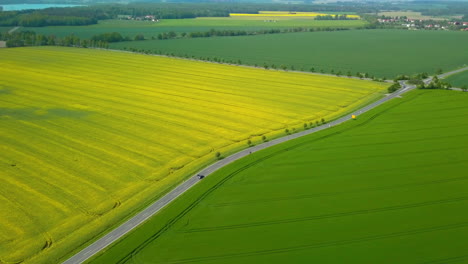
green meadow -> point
(5, 29)
(389, 187)
(383, 53)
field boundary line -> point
(246, 66)
(138, 219)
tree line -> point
(335, 17)
(230, 33)
(265, 65)
(30, 38)
(86, 15)
(90, 14)
(436, 83)
(41, 18)
(188, 10)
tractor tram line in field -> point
(154, 208)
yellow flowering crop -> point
(88, 136)
(269, 14)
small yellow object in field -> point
(353, 116)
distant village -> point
(138, 18)
(423, 24)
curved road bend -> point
(155, 207)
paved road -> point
(151, 210)
(443, 75)
(450, 73)
(13, 30)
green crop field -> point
(152, 29)
(89, 136)
(458, 80)
(5, 29)
(389, 187)
(383, 53)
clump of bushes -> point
(394, 87)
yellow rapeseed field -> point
(88, 136)
(283, 14)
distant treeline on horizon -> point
(90, 14)
(86, 15)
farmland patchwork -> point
(89, 136)
(389, 187)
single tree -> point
(323, 120)
(218, 155)
(139, 37)
(286, 131)
(51, 41)
(171, 34)
(264, 138)
(249, 142)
